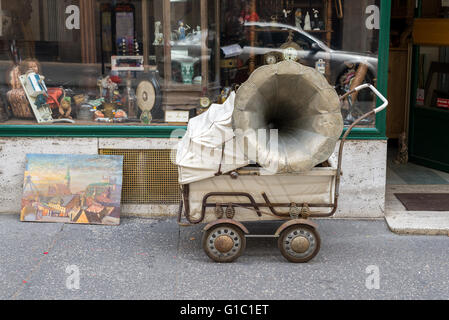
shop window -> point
(158, 62)
(433, 83)
(341, 35)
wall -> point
(362, 193)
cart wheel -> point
(299, 243)
(224, 242)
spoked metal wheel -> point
(224, 242)
(299, 243)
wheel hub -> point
(224, 243)
(300, 244)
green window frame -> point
(379, 131)
(376, 133)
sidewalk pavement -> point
(157, 259)
(413, 178)
(401, 221)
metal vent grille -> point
(149, 177)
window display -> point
(130, 62)
(339, 38)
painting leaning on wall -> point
(72, 189)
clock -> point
(290, 54)
(204, 102)
(271, 57)
(290, 49)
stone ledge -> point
(421, 223)
(149, 210)
(401, 221)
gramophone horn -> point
(298, 102)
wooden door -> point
(397, 92)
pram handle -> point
(373, 89)
(377, 93)
(343, 139)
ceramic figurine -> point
(158, 36)
(136, 47)
(315, 21)
(298, 18)
(98, 115)
(108, 87)
(197, 33)
(182, 30)
(307, 26)
(65, 108)
(120, 114)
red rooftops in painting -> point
(72, 188)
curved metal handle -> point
(343, 140)
(377, 93)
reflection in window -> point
(131, 62)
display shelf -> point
(183, 64)
(78, 123)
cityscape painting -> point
(72, 189)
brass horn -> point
(297, 101)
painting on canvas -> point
(72, 189)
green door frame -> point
(376, 133)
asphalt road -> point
(156, 259)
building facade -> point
(125, 77)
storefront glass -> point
(158, 62)
(433, 78)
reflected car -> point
(270, 36)
(274, 42)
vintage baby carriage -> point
(290, 117)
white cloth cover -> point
(200, 151)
